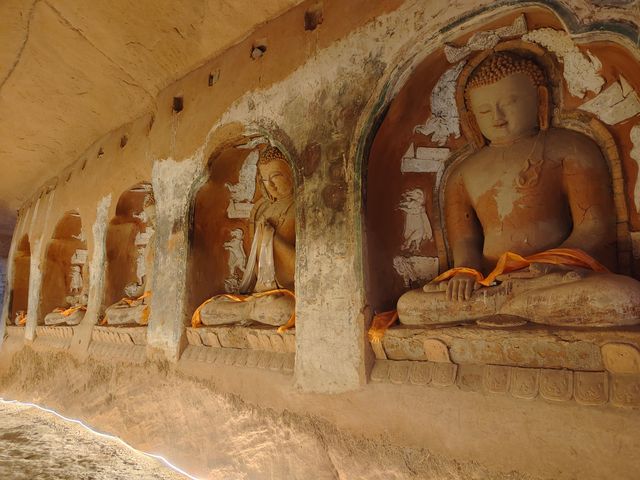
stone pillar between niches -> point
(35, 285)
(82, 336)
(330, 347)
(173, 183)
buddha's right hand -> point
(461, 286)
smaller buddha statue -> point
(266, 288)
(536, 203)
(134, 308)
(20, 319)
(76, 302)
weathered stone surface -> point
(496, 378)
(420, 373)
(443, 374)
(470, 377)
(625, 390)
(524, 383)
(380, 371)
(556, 385)
(621, 358)
(591, 388)
(436, 350)
(399, 372)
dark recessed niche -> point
(258, 50)
(313, 18)
(69, 176)
(100, 152)
(123, 141)
(178, 104)
(214, 77)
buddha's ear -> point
(543, 108)
(474, 130)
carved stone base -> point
(120, 344)
(253, 347)
(53, 338)
(585, 388)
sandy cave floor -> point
(209, 434)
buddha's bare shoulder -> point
(573, 147)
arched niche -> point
(20, 284)
(423, 132)
(127, 242)
(66, 252)
(222, 226)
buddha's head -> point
(507, 97)
(274, 174)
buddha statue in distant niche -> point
(134, 308)
(76, 302)
(268, 277)
(535, 203)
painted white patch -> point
(98, 260)
(237, 260)
(486, 39)
(617, 103)
(417, 227)
(79, 257)
(444, 119)
(416, 270)
(240, 203)
(635, 154)
(580, 70)
(425, 160)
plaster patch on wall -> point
(486, 39)
(417, 227)
(240, 203)
(237, 260)
(615, 104)
(416, 270)
(635, 154)
(444, 119)
(580, 70)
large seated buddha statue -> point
(134, 308)
(76, 302)
(529, 217)
(266, 288)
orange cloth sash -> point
(69, 311)
(22, 319)
(508, 262)
(196, 319)
(133, 302)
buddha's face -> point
(507, 109)
(276, 179)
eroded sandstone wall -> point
(318, 93)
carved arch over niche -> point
(128, 236)
(388, 182)
(19, 293)
(67, 248)
(220, 230)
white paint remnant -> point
(98, 260)
(240, 203)
(425, 160)
(617, 103)
(486, 39)
(417, 227)
(444, 119)
(237, 260)
(79, 257)
(635, 154)
(580, 70)
(416, 270)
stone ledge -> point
(57, 338)
(243, 337)
(266, 360)
(557, 386)
(529, 346)
(14, 331)
(122, 352)
(120, 335)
